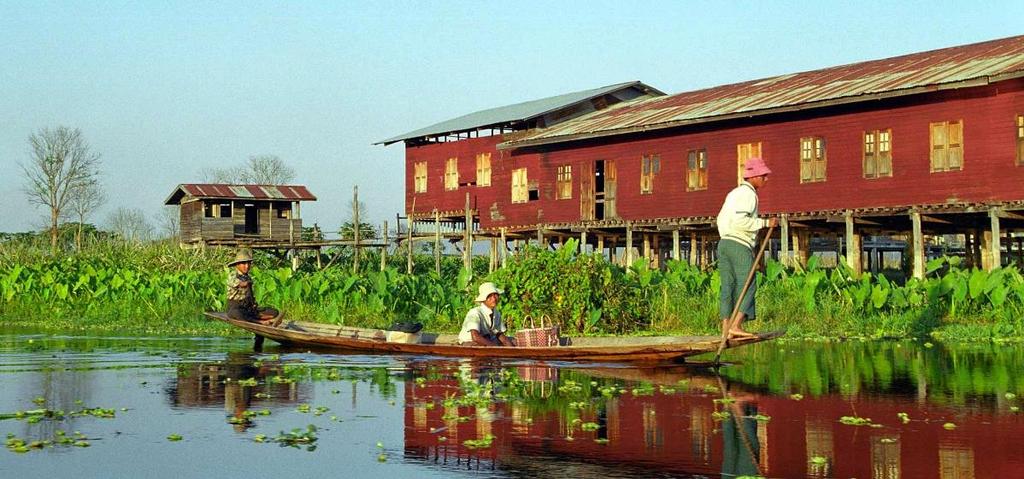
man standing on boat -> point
(483, 325)
(738, 225)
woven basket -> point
(537, 337)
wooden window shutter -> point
(955, 145)
(691, 170)
(806, 166)
(885, 153)
(702, 169)
(1020, 139)
(938, 150)
(483, 169)
(819, 159)
(870, 154)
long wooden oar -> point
(739, 300)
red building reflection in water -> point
(681, 430)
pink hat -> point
(755, 167)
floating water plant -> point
(949, 426)
(590, 426)
(818, 460)
(904, 417)
(174, 437)
(481, 443)
(855, 421)
(796, 396)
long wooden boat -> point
(613, 349)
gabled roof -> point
(518, 112)
(947, 68)
(239, 192)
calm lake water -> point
(910, 409)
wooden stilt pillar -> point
(540, 237)
(408, 244)
(492, 255)
(705, 258)
(676, 254)
(917, 245)
(647, 248)
(467, 253)
(852, 246)
(583, 241)
(629, 245)
(504, 249)
(612, 250)
(994, 247)
(1020, 251)
(784, 240)
(600, 245)
(319, 262)
(437, 242)
(383, 249)
(693, 249)
(295, 259)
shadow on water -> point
(783, 409)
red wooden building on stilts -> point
(917, 146)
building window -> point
(483, 169)
(451, 174)
(877, 153)
(563, 183)
(812, 159)
(947, 146)
(744, 152)
(697, 170)
(650, 166)
(520, 191)
(217, 210)
(420, 177)
(1020, 140)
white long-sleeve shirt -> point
(738, 219)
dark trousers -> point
(250, 312)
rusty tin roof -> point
(239, 192)
(947, 68)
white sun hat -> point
(485, 290)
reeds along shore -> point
(158, 288)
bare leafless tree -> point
(259, 170)
(130, 225)
(169, 221)
(84, 200)
(233, 175)
(268, 170)
(60, 162)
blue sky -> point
(165, 89)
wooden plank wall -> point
(191, 220)
(989, 172)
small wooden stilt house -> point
(239, 214)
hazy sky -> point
(165, 89)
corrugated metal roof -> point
(518, 112)
(909, 74)
(240, 192)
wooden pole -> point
(384, 249)
(852, 246)
(408, 239)
(504, 249)
(995, 251)
(693, 249)
(437, 241)
(583, 241)
(647, 248)
(270, 221)
(467, 253)
(355, 229)
(676, 254)
(600, 245)
(784, 240)
(917, 245)
(540, 237)
(629, 245)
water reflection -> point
(926, 411)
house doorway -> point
(252, 219)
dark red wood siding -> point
(989, 173)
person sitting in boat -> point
(483, 325)
(241, 302)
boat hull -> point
(630, 349)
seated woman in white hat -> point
(483, 325)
